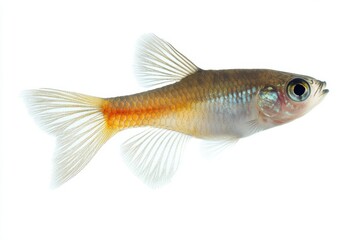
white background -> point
(297, 181)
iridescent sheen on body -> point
(187, 102)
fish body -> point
(206, 104)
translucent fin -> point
(158, 63)
(214, 147)
(76, 121)
(252, 127)
(154, 154)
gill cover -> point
(269, 102)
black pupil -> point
(299, 89)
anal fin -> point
(154, 154)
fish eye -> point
(298, 89)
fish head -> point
(288, 97)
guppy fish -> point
(214, 105)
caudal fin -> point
(78, 124)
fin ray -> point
(78, 124)
(253, 126)
(213, 148)
(159, 63)
(154, 154)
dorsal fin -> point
(158, 63)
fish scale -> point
(172, 107)
(214, 105)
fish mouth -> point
(322, 89)
(325, 91)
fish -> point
(182, 102)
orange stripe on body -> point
(120, 115)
